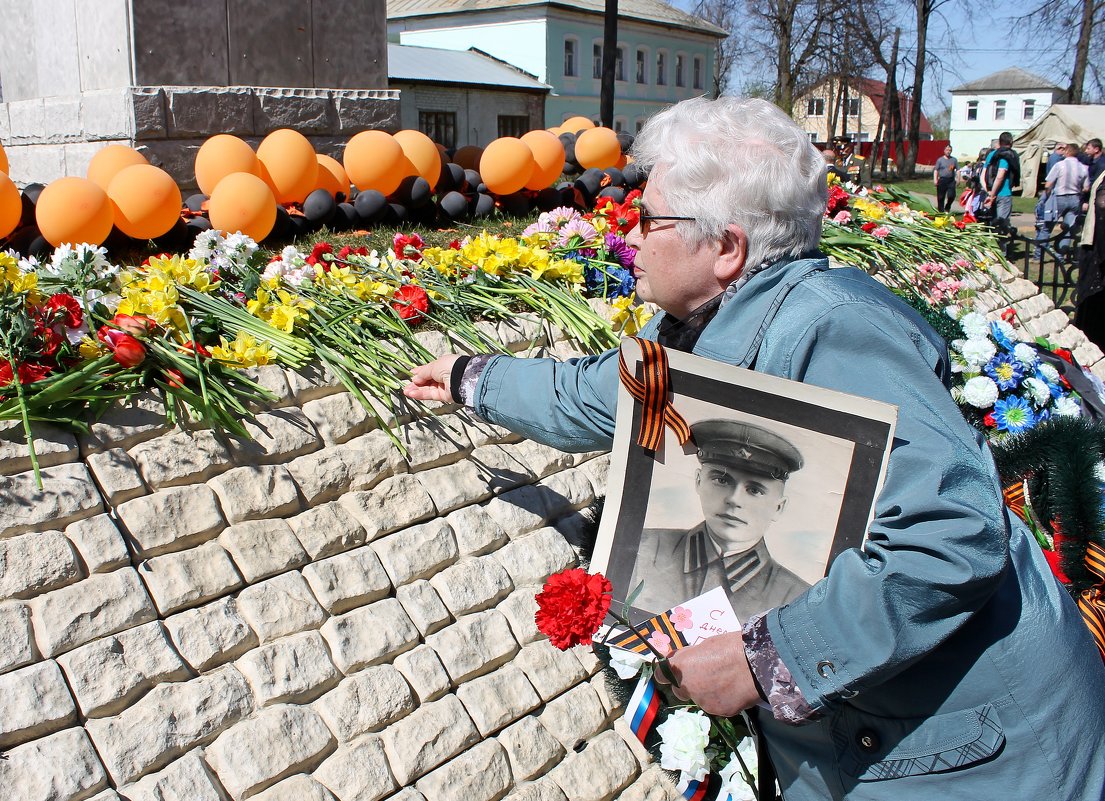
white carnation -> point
(732, 780)
(978, 351)
(1038, 391)
(1067, 407)
(626, 663)
(981, 392)
(683, 740)
(1025, 354)
(974, 325)
(1050, 374)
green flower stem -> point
(23, 414)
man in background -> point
(998, 182)
(944, 178)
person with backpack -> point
(1002, 170)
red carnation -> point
(411, 302)
(571, 607)
(66, 305)
(838, 200)
(868, 227)
(989, 420)
(1010, 316)
(318, 251)
(29, 372)
(408, 246)
(348, 251)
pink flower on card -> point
(681, 618)
(660, 641)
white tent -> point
(1058, 125)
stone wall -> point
(311, 614)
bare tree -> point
(924, 11)
(1054, 21)
(726, 15)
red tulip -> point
(135, 325)
(127, 350)
(174, 378)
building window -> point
(596, 61)
(999, 109)
(571, 68)
(619, 64)
(661, 69)
(619, 125)
(640, 124)
(513, 125)
(853, 106)
(697, 72)
(972, 110)
(815, 107)
(1028, 112)
(642, 67)
(441, 126)
(679, 80)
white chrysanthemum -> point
(953, 311)
(626, 663)
(683, 740)
(205, 245)
(974, 325)
(1050, 374)
(1025, 354)
(981, 392)
(1038, 391)
(29, 264)
(1067, 406)
(978, 351)
(1006, 329)
(732, 781)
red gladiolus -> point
(127, 350)
(29, 372)
(411, 302)
(408, 246)
(67, 308)
(838, 200)
(134, 324)
(989, 420)
(571, 607)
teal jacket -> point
(945, 658)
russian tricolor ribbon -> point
(651, 391)
(643, 706)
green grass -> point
(924, 186)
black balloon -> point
(319, 207)
(33, 191)
(199, 224)
(195, 202)
(625, 139)
(615, 193)
(281, 229)
(483, 205)
(301, 226)
(27, 214)
(370, 205)
(452, 178)
(39, 248)
(414, 192)
(21, 240)
(116, 240)
(572, 168)
(397, 212)
(473, 179)
(176, 238)
(515, 204)
(548, 199)
(617, 178)
(345, 218)
(633, 175)
(454, 205)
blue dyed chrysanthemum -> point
(1014, 414)
(1005, 370)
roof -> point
(1013, 79)
(654, 11)
(876, 91)
(471, 67)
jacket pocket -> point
(872, 748)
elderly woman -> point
(941, 657)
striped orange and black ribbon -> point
(1015, 500)
(652, 393)
(1091, 603)
(661, 623)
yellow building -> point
(835, 108)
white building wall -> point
(518, 42)
(970, 136)
(477, 109)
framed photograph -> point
(778, 478)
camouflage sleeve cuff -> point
(464, 386)
(788, 705)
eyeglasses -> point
(644, 222)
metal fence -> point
(1047, 260)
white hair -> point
(737, 161)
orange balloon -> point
(468, 157)
(556, 130)
(421, 152)
(146, 201)
(109, 161)
(622, 161)
(291, 168)
(11, 205)
(598, 147)
(506, 165)
(243, 202)
(331, 176)
(221, 155)
(576, 124)
(374, 160)
(548, 159)
(3, 161)
(74, 210)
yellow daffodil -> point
(90, 349)
(11, 277)
(244, 351)
(628, 318)
(943, 221)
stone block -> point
(519, 511)
(280, 606)
(315, 380)
(117, 475)
(259, 752)
(169, 721)
(532, 559)
(567, 490)
(652, 785)
(17, 642)
(1087, 353)
(499, 469)
(126, 423)
(1020, 288)
(106, 115)
(541, 790)
(181, 457)
(394, 503)
(68, 494)
(99, 543)
(348, 580)
(550, 670)
(428, 737)
(102, 604)
(606, 686)
(45, 162)
(305, 110)
(574, 716)
(369, 635)
(472, 585)
(357, 770)
(327, 530)
(34, 702)
(542, 460)
(295, 669)
(296, 788)
(171, 519)
(61, 766)
(187, 779)
(148, 104)
(211, 635)
(522, 332)
(34, 563)
(455, 485)
(598, 471)
(256, 492)
(263, 548)
(338, 418)
(366, 109)
(188, 578)
(323, 475)
(474, 645)
(271, 377)
(27, 119)
(373, 457)
(497, 699)
(530, 748)
(519, 608)
(176, 156)
(481, 432)
(434, 341)
(110, 673)
(423, 670)
(434, 441)
(416, 552)
(199, 111)
(423, 606)
(1069, 338)
(474, 530)
(481, 773)
(1033, 307)
(366, 702)
(276, 436)
(598, 772)
(53, 446)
